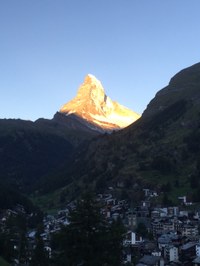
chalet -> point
(131, 219)
(150, 193)
(190, 230)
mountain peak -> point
(96, 108)
(91, 79)
(92, 88)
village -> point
(155, 236)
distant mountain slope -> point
(71, 128)
(31, 151)
(183, 86)
(96, 110)
(27, 152)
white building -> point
(132, 239)
(171, 253)
(198, 250)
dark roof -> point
(188, 245)
(149, 260)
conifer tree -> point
(88, 239)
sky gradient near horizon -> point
(133, 47)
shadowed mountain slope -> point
(30, 151)
(162, 147)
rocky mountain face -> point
(93, 108)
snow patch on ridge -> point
(95, 80)
(114, 118)
(70, 112)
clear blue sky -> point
(133, 46)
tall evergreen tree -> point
(88, 239)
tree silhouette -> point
(88, 239)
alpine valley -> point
(94, 143)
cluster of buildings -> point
(160, 236)
(173, 235)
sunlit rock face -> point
(93, 105)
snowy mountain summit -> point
(93, 106)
